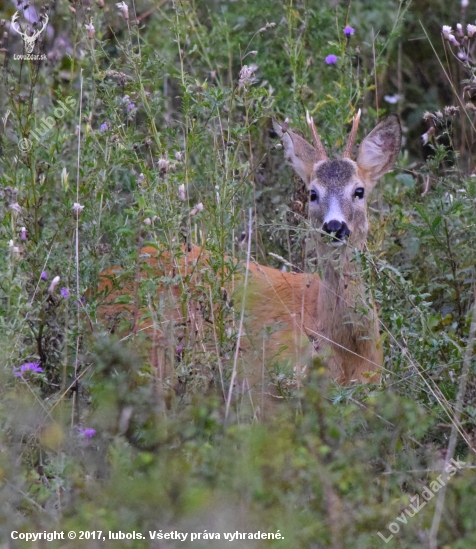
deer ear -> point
(379, 150)
(301, 155)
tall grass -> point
(168, 109)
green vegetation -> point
(141, 118)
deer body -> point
(273, 298)
(333, 315)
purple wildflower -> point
(44, 275)
(23, 234)
(131, 107)
(65, 293)
(103, 127)
(27, 367)
(331, 59)
(348, 30)
(86, 433)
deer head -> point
(28, 40)
(338, 189)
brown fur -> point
(284, 301)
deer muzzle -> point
(339, 231)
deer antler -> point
(321, 153)
(37, 33)
(14, 20)
(353, 132)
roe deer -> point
(332, 315)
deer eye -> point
(313, 196)
(359, 193)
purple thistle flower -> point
(27, 367)
(348, 30)
(86, 433)
(331, 59)
(65, 293)
(103, 127)
(44, 275)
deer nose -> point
(338, 229)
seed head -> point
(392, 99)
(91, 30)
(446, 30)
(453, 40)
(164, 165)
(122, 6)
(53, 284)
(16, 207)
(198, 208)
(451, 110)
(267, 26)
(77, 207)
(425, 138)
(247, 75)
(182, 194)
(14, 250)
